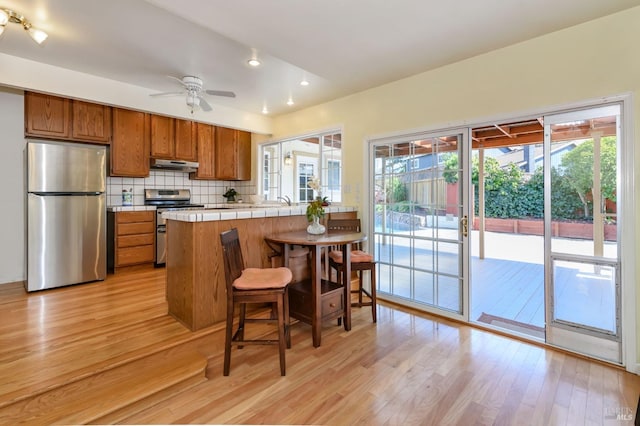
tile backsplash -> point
(202, 191)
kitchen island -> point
(195, 270)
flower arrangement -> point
(314, 183)
(315, 210)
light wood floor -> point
(407, 369)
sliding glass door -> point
(541, 254)
(421, 220)
(583, 311)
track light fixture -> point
(8, 15)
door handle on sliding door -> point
(465, 226)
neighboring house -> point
(528, 158)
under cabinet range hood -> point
(177, 165)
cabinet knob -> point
(332, 305)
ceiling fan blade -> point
(204, 105)
(179, 80)
(168, 93)
(221, 93)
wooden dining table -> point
(321, 291)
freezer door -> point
(66, 167)
(66, 240)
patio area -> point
(507, 286)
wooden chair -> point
(253, 285)
(360, 262)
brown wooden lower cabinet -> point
(300, 301)
(131, 239)
(196, 290)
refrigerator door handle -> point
(66, 194)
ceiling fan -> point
(194, 92)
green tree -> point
(577, 168)
(494, 175)
(398, 190)
(450, 172)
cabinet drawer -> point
(300, 301)
(135, 240)
(131, 217)
(332, 305)
(136, 228)
(134, 255)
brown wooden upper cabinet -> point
(173, 139)
(53, 117)
(186, 143)
(205, 137)
(232, 154)
(47, 116)
(91, 122)
(130, 144)
(162, 135)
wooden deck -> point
(507, 286)
(106, 353)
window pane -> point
(289, 165)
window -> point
(333, 175)
(306, 172)
(290, 164)
(266, 174)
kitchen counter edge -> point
(246, 213)
(130, 208)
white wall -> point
(12, 216)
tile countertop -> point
(129, 208)
(247, 212)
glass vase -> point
(316, 227)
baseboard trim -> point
(20, 284)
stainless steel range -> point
(166, 200)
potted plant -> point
(230, 195)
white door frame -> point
(628, 183)
(464, 153)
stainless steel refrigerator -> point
(66, 214)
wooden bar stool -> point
(253, 285)
(360, 261)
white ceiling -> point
(339, 46)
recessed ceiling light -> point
(290, 102)
(304, 82)
(254, 62)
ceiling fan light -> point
(37, 35)
(193, 100)
(290, 102)
(4, 18)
